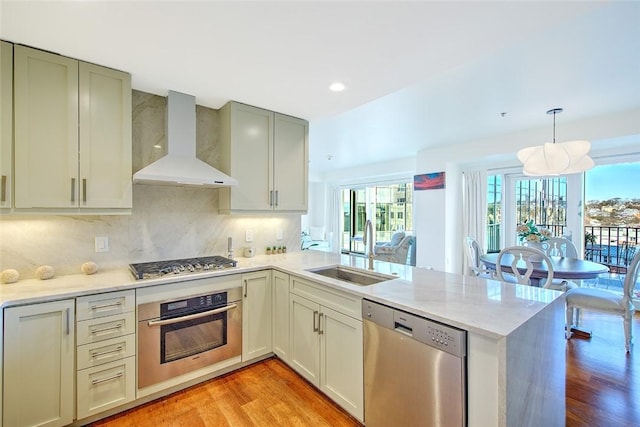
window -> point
(494, 212)
(543, 200)
(388, 206)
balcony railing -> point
(612, 246)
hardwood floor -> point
(268, 393)
(603, 389)
(603, 381)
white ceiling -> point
(419, 73)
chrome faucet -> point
(368, 227)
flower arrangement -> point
(528, 232)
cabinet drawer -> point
(343, 302)
(106, 351)
(103, 328)
(106, 386)
(107, 304)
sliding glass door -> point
(389, 207)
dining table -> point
(564, 268)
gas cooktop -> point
(150, 270)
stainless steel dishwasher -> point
(414, 370)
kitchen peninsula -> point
(515, 348)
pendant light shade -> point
(556, 158)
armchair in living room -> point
(396, 250)
(315, 238)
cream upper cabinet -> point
(39, 365)
(256, 315)
(6, 124)
(268, 154)
(105, 138)
(72, 133)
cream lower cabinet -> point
(72, 134)
(280, 300)
(326, 344)
(256, 315)
(39, 364)
(106, 349)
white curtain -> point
(474, 207)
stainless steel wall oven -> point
(180, 335)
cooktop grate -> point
(154, 269)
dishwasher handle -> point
(403, 330)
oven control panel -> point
(193, 304)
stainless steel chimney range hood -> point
(181, 166)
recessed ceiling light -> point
(337, 87)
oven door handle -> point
(191, 316)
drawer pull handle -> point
(111, 328)
(103, 306)
(97, 354)
(111, 378)
(315, 324)
(3, 194)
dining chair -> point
(563, 247)
(560, 246)
(474, 251)
(522, 265)
(605, 301)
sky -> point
(609, 181)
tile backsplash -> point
(166, 222)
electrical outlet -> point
(102, 243)
(279, 234)
(248, 236)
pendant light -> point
(561, 158)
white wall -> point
(439, 233)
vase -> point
(536, 245)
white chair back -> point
(630, 280)
(474, 251)
(522, 264)
(560, 246)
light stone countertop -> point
(486, 307)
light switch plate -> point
(279, 234)
(102, 243)
(248, 236)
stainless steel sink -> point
(352, 275)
